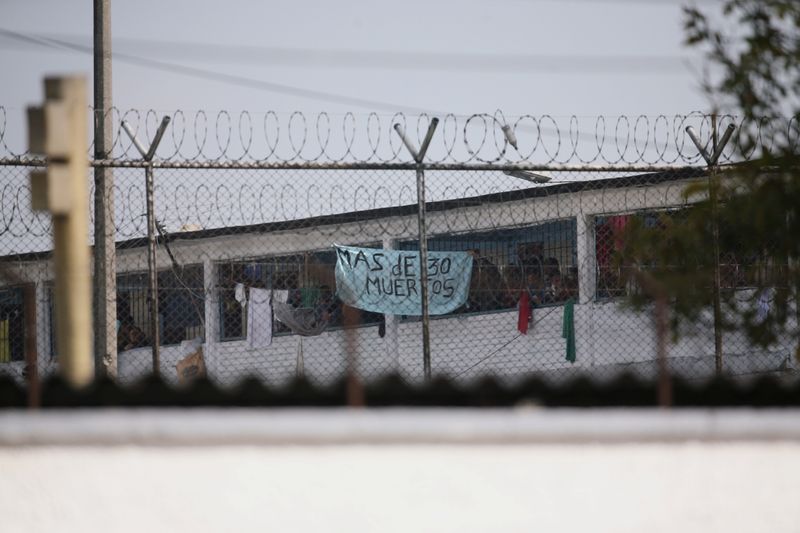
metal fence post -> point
(713, 180)
(152, 275)
(423, 272)
(392, 321)
(152, 267)
(423, 238)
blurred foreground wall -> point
(400, 470)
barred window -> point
(609, 240)
(181, 301)
(738, 269)
(308, 279)
(539, 259)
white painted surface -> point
(686, 485)
(530, 425)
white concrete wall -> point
(399, 470)
(610, 340)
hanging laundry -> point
(618, 225)
(309, 296)
(524, 312)
(253, 272)
(281, 296)
(568, 329)
(239, 295)
(301, 321)
(259, 319)
(763, 306)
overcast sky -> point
(537, 57)
(463, 56)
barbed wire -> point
(299, 138)
(250, 197)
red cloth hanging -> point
(618, 225)
(524, 309)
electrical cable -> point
(389, 59)
(242, 81)
(177, 270)
(496, 351)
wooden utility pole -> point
(105, 260)
(59, 130)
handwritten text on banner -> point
(387, 281)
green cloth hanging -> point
(309, 296)
(568, 329)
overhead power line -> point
(243, 81)
(667, 3)
(388, 59)
(234, 79)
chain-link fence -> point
(246, 263)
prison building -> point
(563, 234)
